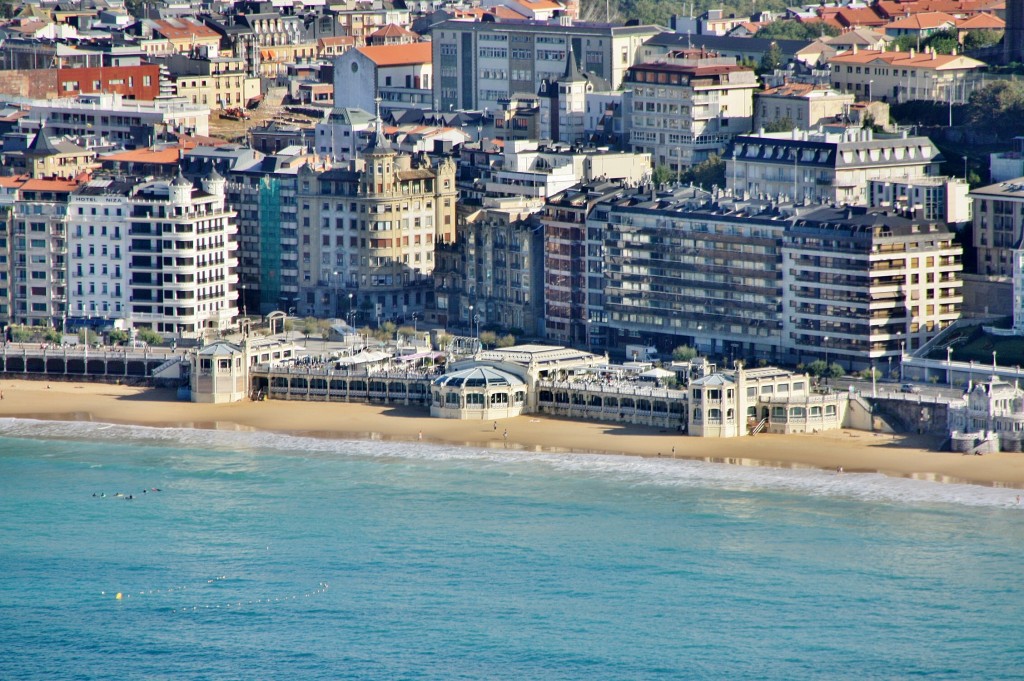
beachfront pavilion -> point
(480, 392)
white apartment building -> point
(804, 105)
(98, 277)
(340, 136)
(998, 226)
(400, 75)
(895, 76)
(527, 169)
(125, 122)
(480, 64)
(937, 198)
(170, 255)
(864, 286)
(831, 166)
(688, 106)
(38, 250)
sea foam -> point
(656, 472)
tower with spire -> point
(379, 175)
(565, 101)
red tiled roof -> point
(864, 16)
(183, 28)
(168, 156)
(922, 21)
(398, 55)
(392, 31)
(50, 185)
(981, 21)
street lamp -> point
(825, 341)
(351, 311)
(471, 319)
(949, 365)
(414, 330)
(903, 346)
(590, 346)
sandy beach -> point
(855, 451)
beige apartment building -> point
(805, 105)
(865, 286)
(831, 166)
(904, 76)
(367, 234)
(688, 106)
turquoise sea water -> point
(273, 557)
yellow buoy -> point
(118, 596)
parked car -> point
(910, 388)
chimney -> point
(911, 52)
(855, 48)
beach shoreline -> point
(852, 451)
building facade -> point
(832, 166)
(866, 286)
(478, 65)
(367, 234)
(998, 226)
(688, 106)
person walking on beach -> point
(495, 426)
(505, 435)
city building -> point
(367, 233)
(131, 82)
(178, 276)
(491, 275)
(931, 198)
(574, 268)
(562, 103)
(904, 76)
(48, 157)
(1007, 165)
(831, 166)
(802, 105)
(688, 106)
(184, 34)
(99, 222)
(480, 64)
(37, 251)
(685, 266)
(998, 226)
(221, 82)
(342, 134)
(864, 286)
(526, 168)
(401, 76)
(128, 123)
(264, 196)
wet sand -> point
(854, 451)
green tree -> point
(943, 42)
(784, 124)
(488, 338)
(771, 60)
(977, 39)
(706, 173)
(148, 335)
(662, 175)
(817, 368)
(52, 335)
(506, 341)
(683, 353)
(21, 333)
(998, 108)
(835, 370)
(406, 332)
(871, 373)
(443, 340)
(87, 336)
(790, 29)
(117, 337)
(309, 327)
